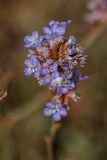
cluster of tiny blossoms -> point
(53, 59)
(98, 11)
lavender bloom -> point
(98, 11)
(56, 29)
(32, 41)
(53, 67)
(45, 80)
(56, 110)
(33, 67)
(66, 87)
(54, 61)
(31, 53)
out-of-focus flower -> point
(53, 59)
(97, 11)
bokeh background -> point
(83, 135)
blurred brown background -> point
(83, 135)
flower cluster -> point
(53, 60)
(98, 11)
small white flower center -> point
(35, 69)
(59, 80)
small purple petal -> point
(49, 104)
(49, 61)
(27, 45)
(51, 23)
(57, 116)
(46, 79)
(42, 38)
(28, 63)
(54, 25)
(28, 39)
(45, 71)
(65, 24)
(63, 112)
(62, 90)
(32, 41)
(31, 52)
(46, 30)
(58, 104)
(72, 85)
(28, 71)
(34, 60)
(72, 51)
(48, 112)
(56, 74)
(65, 66)
(35, 35)
(53, 67)
(60, 31)
(69, 75)
(36, 74)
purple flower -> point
(56, 110)
(33, 67)
(45, 80)
(53, 67)
(55, 29)
(49, 61)
(64, 88)
(45, 70)
(55, 79)
(49, 68)
(69, 75)
(32, 41)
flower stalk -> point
(49, 139)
